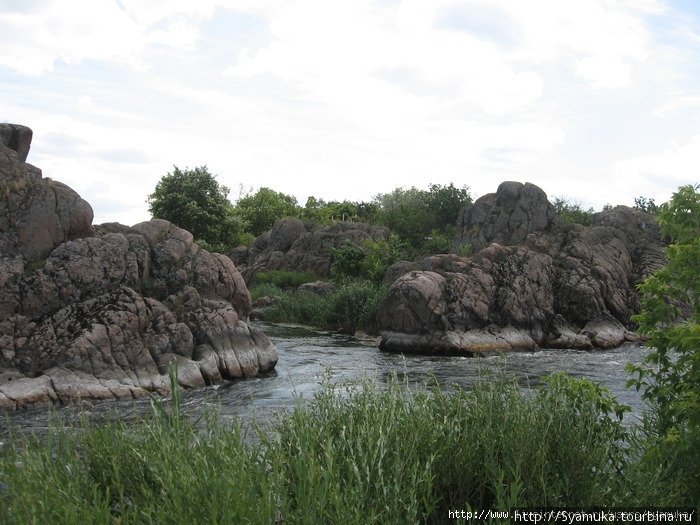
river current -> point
(307, 355)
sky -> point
(597, 101)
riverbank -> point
(365, 454)
(306, 353)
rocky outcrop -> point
(102, 312)
(532, 281)
(293, 244)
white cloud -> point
(659, 173)
(348, 99)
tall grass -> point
(362, 453)
(351, 307)
(285, 278)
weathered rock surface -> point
(102, 312)
(37, 214)
(533, 281)
(293, 244)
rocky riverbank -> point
(102, 311)
(525, 279)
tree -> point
(416, 215)
(670, 317)
(446, 203)
(261, 209)
(573, 212)
(192, 199)
(647, 205)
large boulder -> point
(36, 214)
(532, 281)
(103, 312)
(506, 217)
(293, 244)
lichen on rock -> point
(104, 311)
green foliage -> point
(439, 241)
(414, 214)
(368, 452)
(367, 261)
(572, 212)
(285, 279)
(354, 306)
(466, 249)
(347, 260)
(379, 255)
(322, 212)
(192, 199)
(647, 205)
(265, 289)
(300, 308)
(351, 307)
(261, 209)
(670, 317)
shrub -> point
(646, 204)
(354, 306)
(347, 260)
(572, 212)
(351, 307)
(670, 317)
(265, 289)
(285, 279)
(261, 209)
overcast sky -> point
(595, 100)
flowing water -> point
(306, 355)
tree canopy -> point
(261, 209)
(192, 199)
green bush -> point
(670, 317)
(572, 212)
(353, 306)
(265, 289)
(261, 209)
(368, 261)
(285, 279)
(347, 260)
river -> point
(304, 357)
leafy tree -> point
(405, 212)
(572, 212)
(347, 260)
(322, 212)
(261, 209)
(415, 215)
(370, 260)
(192, 199)
(670, 375)
(445, 203)
(647, 205)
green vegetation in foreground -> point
(670, 317)
(365, 454)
